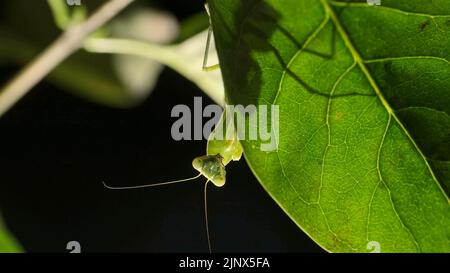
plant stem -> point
(69, 42)
(166, 55)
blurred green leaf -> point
(139, 75)
(125, 78)
(193, 25)
(79, 14)
(84, 75)
(8, 244)
(60, 11)
(93, 77)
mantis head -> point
(212, 167)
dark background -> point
(56, 149)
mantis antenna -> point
(151, 185)
(206, 216)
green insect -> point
(223, 147)
(220, 152)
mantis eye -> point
(219, 180)
(197, 163)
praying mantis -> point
(223, 146)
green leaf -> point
(363, 93)
(8, 244)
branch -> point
(68, 43)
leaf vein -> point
(409, 13)
(381, 180)
(406, 58)
(305, 45)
